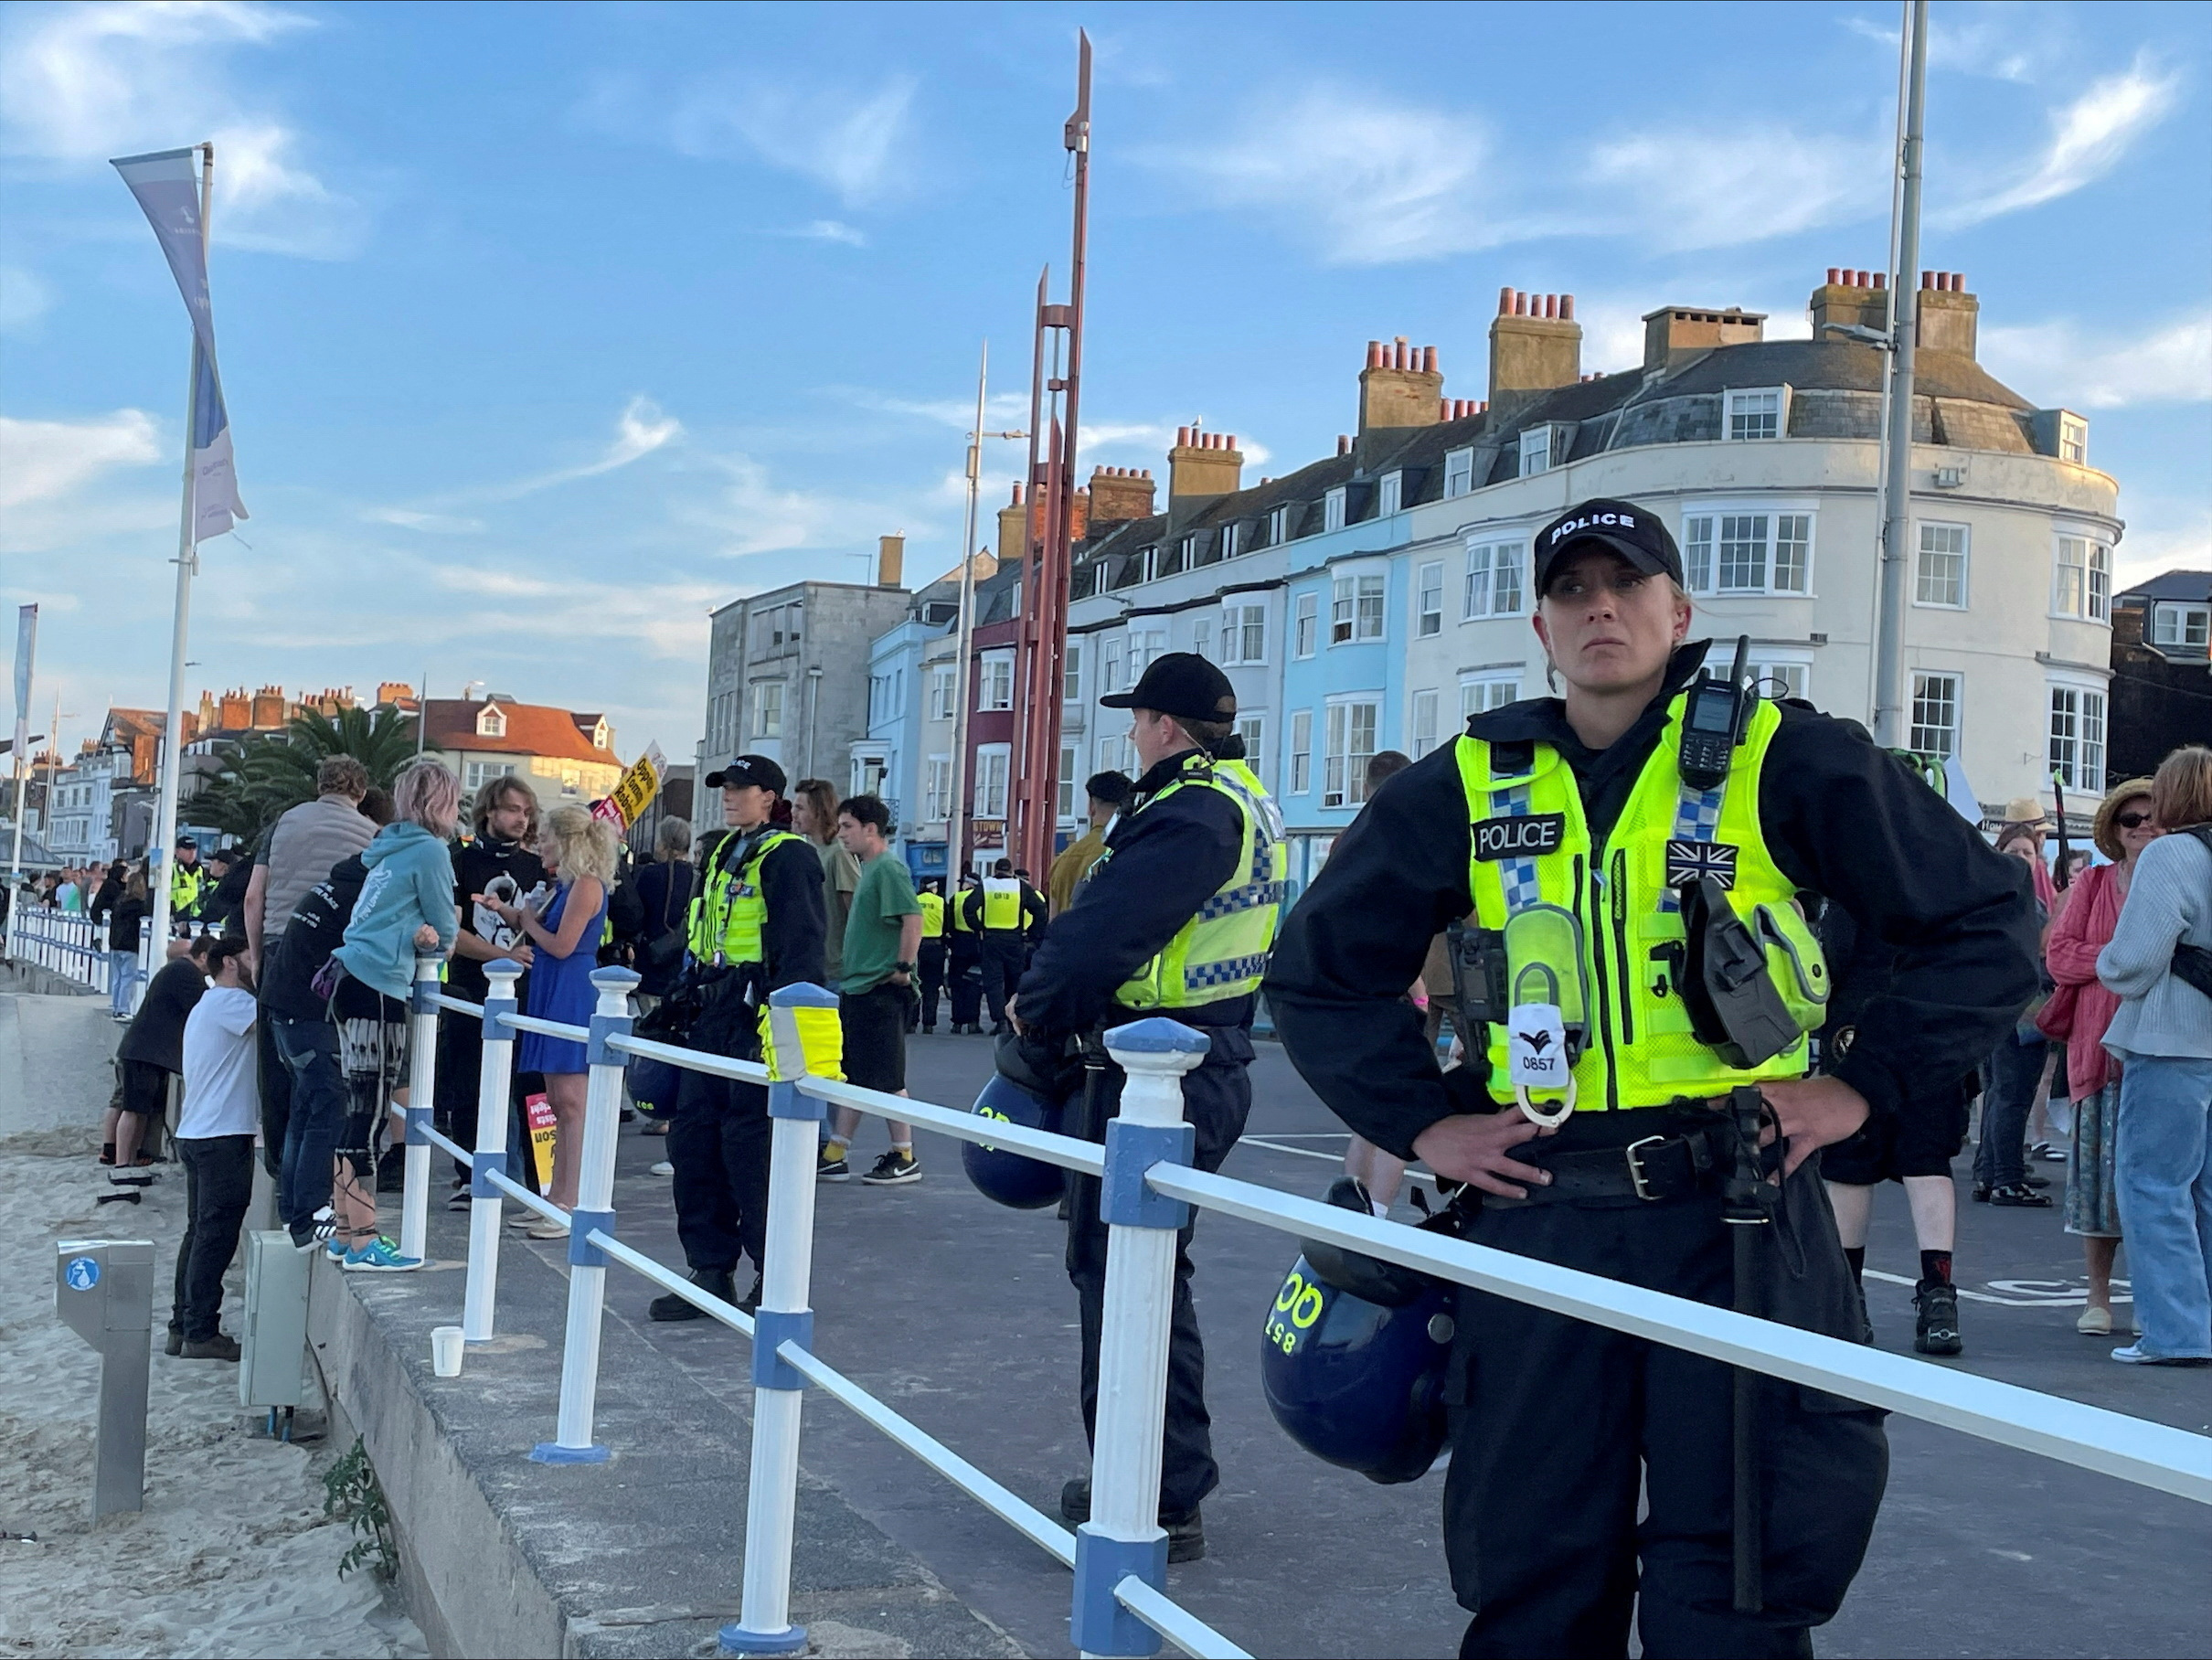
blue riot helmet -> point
(998, 1173)
(1354, 1357)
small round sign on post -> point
(82, 1273)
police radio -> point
(1712, 723)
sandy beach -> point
(231, 1554)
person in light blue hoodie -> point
(406, 908)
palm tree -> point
(264, 774)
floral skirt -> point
(2092, 1192)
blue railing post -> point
(1124, 1535)
(421, 1085)
(772, 1499)
(572, 1442)
(486, 1211)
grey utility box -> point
(275, 1342)
(104, 1290)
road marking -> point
(2064, 1295)
(1255, 1141)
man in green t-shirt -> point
(882, 941)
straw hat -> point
(2026, 810)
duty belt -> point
(1656, 1169)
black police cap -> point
(1622, 527)
(756, 770)
(1181, 684)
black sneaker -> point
(828, 1169)
(220, 1347)
(459, 1199)
(751, 1302)
(1185, 1534)
(1936, 1332)
(715, 1281)
(2036, 1182)
(894, 1169)
(176, 1345)
(2020, 1196)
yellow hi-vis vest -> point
(957, 907)
(1001, 904)
(728, 913)
(1619, 903)
(1221, 953)
(185, 884)
(932, 915)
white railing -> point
(1119, 1605)
(64, 941)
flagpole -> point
(956, 822)
(163, 846)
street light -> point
(1860, 333)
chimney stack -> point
(890, 561)
(1201, 466)
(1400, 388)
(1012, 537)
(1855, 298)
(1674, 332)
(1534, 344)
(1119, 493)
(1950, 317)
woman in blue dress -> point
(579, 853)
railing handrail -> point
(2136, 1450)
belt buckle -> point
(1635, 1167)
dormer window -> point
(1229, 540)
(491, 722)
(1755, 413)
(1278, 526)
(1390, 494)
(1535, 451)
(1459, 474)
(1333, 509)
(2074, 440)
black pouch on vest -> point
(1733, 1004)
(1478, 975)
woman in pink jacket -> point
(2079, 1013)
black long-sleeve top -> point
(795, 941)
(1168, 858)
(1842, 818)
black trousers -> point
(1004, 958)
(1216, 1099)
(275, 1081)
(460, 1075)
(966, 982)
(932, 962)
(219, 1184)
(719, 1144)
(1561, 1424)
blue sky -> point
(544, 329)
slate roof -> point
(2171, 585)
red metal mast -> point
(1050, 528)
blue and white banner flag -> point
(26, 646)
(166, 185)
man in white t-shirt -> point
(215, 1135)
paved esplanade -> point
(957, 1312)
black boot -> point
(1186, 1533)
(715, 1281)
(1936, 1332)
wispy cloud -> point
(24, 300)
(2000, 41)
(430, 524)
(856, 141)
(1677, 190)
(2088, 139)
(2060, 361)
(640, 430)
(48, 460)
(1003, 412)
(81, 83)
(828, 230)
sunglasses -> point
(2132, 820)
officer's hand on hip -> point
(1472, 1148)
(1812, 1113)
(1014, 1019)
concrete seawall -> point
(641, 1555)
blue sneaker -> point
(334, 1248)
(380, 1256)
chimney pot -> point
(1018, 496)
(1504, 302)
(1374, 354)
(1343, 444)
(1551, 306)
(1832, 275)
(1927, 279)
(1567, 308)
(1428, 360)
(1520, 303)
(1881, 280)
(1958, 281)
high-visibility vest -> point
(957, 907)
(1001, 904)
(727, 914)
(1619, 903)
(186, 883)
(1221, 953)
(932, 915)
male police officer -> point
(758, 923)
(1002, 913)
(188, 887)
(932, 899)
(1176, 919)
(1632, 857)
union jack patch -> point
(1686, 861)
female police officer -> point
(1623, 853)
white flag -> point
(166, 185)
(26, 644)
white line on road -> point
(2067, 1297)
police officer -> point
(964, 960)
(1002, 912)
(188, 887)
(1176, 919)
(758, 923)
(932, 899)
(1617, 849)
